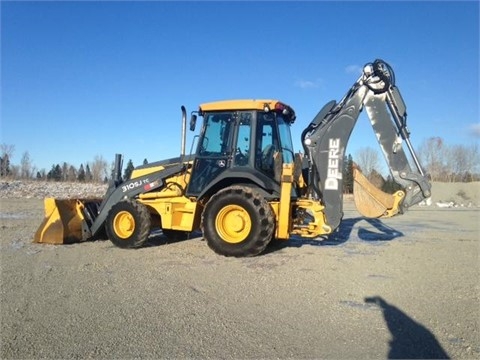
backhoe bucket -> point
(372, 202)
(64, 222)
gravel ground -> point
(406, 287)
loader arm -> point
(326, 137)
(129, 189)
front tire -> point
(128, 224)
(237, 221)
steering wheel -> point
(240, 157)
(267, 156)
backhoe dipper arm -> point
(326, 138)
(381, 109)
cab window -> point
(217, 138)
(242, 150)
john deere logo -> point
(333, 167)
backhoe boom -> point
(326, 139)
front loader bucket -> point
(372, 202)
(64, 222)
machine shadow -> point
(157, 238)
(382, 232)
(410, 339)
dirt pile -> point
(42, 189)
(460, 194)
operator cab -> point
(247, 139)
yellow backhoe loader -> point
(244, 185)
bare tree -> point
(368, 160)
(26, 167)
(457, 162)
(449, 163)
(7, 149)
(14, 171)
(64, 171)
(474, 159)
(433, 154)
(71, 173)
(99, 169)
(467, 161)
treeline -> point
(442, 162)
(450, 163)
(97, 171)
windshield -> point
(217, 137)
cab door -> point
(214, 152)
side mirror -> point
(193, 122)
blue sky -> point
(86, 79)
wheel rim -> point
(124, 224)
(233, 224)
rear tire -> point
(237, 221)
(128, 224)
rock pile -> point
(42, 189)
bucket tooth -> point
(63, 222)
(372, 202)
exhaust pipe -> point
(184, 132)
(117, 169)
